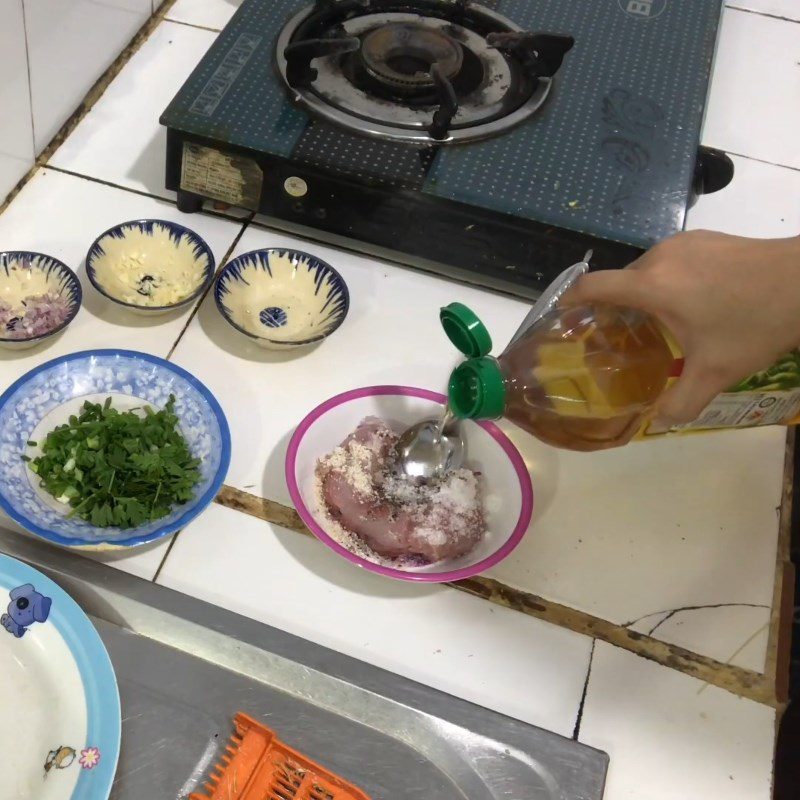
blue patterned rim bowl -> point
(46, 397)
(59, 693)
(150, 266)
(39, 297)
(282, 298)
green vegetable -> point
(781, 376)
(118, 468)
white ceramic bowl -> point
(282, 298)
(24, 275)
(150, 266)
(508, 495)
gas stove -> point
(492, 142)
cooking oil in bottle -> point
(582, 378)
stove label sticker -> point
(225, 74)
(220, 176)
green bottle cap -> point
(477, 389)
(465, 330)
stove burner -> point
(421, 71)
(401, 55)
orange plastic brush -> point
(258, 766)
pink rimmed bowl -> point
(508, 494)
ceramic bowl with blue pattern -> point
(48, 395)
(150, 266)
(39, 297)
(282, 298)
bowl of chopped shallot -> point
(39, 297)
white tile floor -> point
(762, 200)
(670, 736)
(66, 56)
(120, 139)
(754, 105)
(438, 636)
(619, 539)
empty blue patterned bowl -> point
(150, 266)
(282, 298)
(46, 397)
(39, 297)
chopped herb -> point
(116, 468)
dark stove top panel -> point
(610, 153)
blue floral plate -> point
(47, 396)
(58, 694)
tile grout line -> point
(776, 666)
(211, 212)
(30, 84)
(220, 266)
(166, 556)
(576, 731)
(737, 680)
(760, 161)
(192, 25)
(670, 611)
(761, 13)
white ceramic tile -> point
(670, 737)
(786, 9)
(762, 200)
(730, 634)
(70, 45)
(140, 561)
(753, 107)
(391, 335)
(12, 170)
(61, 215)
(653, 526)
(489, 655)
(120, 139)
(213, 14)
(16, 132)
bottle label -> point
(769, 397)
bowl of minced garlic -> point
(150, 266)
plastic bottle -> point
(582, 378)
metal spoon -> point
(431, 448)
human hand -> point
(731, 303)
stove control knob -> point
(295, 187)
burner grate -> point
(434, 71)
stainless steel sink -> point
(186, 667)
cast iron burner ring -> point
(421, 71)
(400, 55)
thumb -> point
(620, 287)
(685, 400)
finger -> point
(685, 400)
(621, 287)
